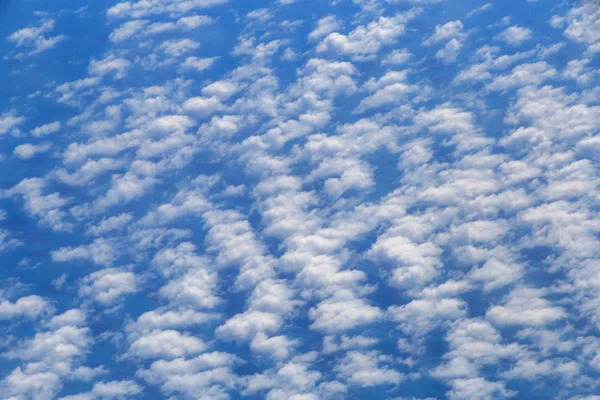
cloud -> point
(450, 51)
(100, 252)
(140, 29)
(301, 203)
(140, 9)
(110, 224)
(46, 129)
(28, 150)
(34, 39)
(365, 41)
(421, 316)
(244, 327)
(340, 315)
(449, 30)
(111, 64)
(363, 369)
(28, 306)
(525, 306)
(47, 359)
(515, 35)
(108, 285)
(9, 121)
(109, 390)
(167, 344)
(324, 27)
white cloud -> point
(478, 388)
(194, 377)
(110, 65)
(340, 315)
(526, 307)
(363, 369)
(165, 344)
(140, 9)
(450, 51)
(100, 252)
(450, 30)
(196, 289)
(582, 24)
(108, 286)
(515, 35)
(110, 224)
(244, 327)
(277, 347)
(34, 39)
(109, 391)
(178, 47)
(30, 307)
(198, 64)
(397, 57)
(28, 150)
(46, 129)
(47, 359)
(140, 29)
(367, 40)
(324, 27)
(421, 316)
(9, 122)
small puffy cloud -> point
(523, 75)
(109, 391)
(34, 39)
(324, 27)
(46, 129)
(145, 8)
(397, 57)
(480, 9)
(450, 51)
(515, 35)
(48, 358)
(331, 345)
(244, 327)
(29, 307)
(367, 40)
(169, 319)
(74, 317)
(196, 289)
(142, 29)
(110, 65)
(525, 307)
(28, 150)
(100, 252)
(276, 347)
(108, 285)
(340, 315)
(582, 24)
(423, 315)
(9, 122)
(198, 64)
(110, 224)
(202, 106)
(178, 47)
(127, 30)
(449, 30)
(165, 344)
(478, 388)
(364, 369)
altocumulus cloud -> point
(300, 200)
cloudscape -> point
(299, 199)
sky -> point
(299, 199)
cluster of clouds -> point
(357, 203)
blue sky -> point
(299, 199)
